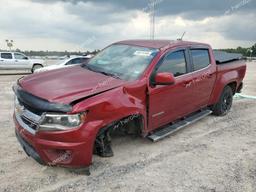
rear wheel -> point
(225, 102)
(35, 67)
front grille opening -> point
(29, 123)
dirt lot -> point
(215, 154)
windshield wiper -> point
(90, 68)
(102, 72)
(109, 74)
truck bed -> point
(233, 70)
(231, 65)
(223, 57)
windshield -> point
(122, 61)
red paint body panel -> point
(168, 103)
(108, 100)
(79, 143)
(68, 84)
(227, 73)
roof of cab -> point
(158, 44)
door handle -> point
(209, 75)
(1, 60)
(16, 60)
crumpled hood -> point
(68, 84)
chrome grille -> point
(29, 123)
(27, 119)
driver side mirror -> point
(26, 58)
(164, 78)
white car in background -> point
(18, 61)
(74, 60)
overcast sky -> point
(81, 24)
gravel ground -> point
(214, 154)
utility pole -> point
(251, 54)
(9, 43)
(250, 51)
(152, 5)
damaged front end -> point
(48, 132)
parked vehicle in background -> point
(19, 61)
(147, 87)
(74, 60)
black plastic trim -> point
(239, 89)
(39, 103)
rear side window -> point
(201, 58)
(174, 63)
(6, 55)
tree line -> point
(54, 53)
(248, 52)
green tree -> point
(254, 50)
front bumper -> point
(71, 149)
(30, 151)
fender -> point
(223, 79)
(116, 104)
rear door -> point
(171, 102)
(204, 76)
(6, 61)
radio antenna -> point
(180, 39)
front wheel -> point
(225, 102)
(35, 67)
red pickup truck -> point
(147, 87)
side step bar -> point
(170, 129)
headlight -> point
(53, 122)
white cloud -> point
(89, 25)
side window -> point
(201, 58)
(74, 61)
(174, 63)
(6, 55)
(19, 56)
(84, 60)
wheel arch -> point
(224, 79)
(35, 64)
(233, 86)
(126, 120)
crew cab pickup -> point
(19, 61)
(147, 87)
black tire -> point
(36, 66)
(225, 102)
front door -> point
(21, 61)
(169, 103)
